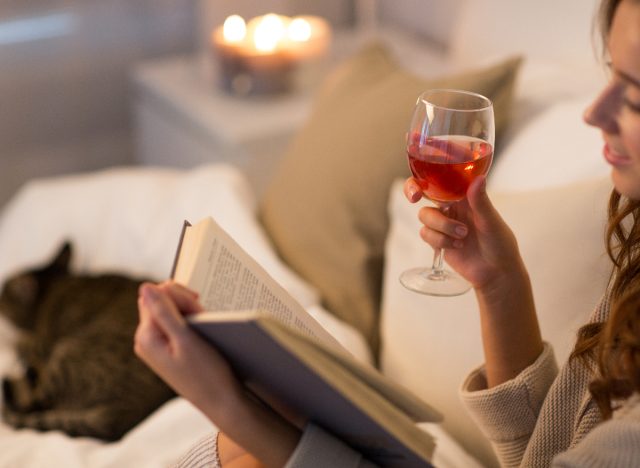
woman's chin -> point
(626, 183)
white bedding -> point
(128, 219)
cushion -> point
(429, 344)
(561, 132)
(325, 206)
(544, 29)
(432, 19)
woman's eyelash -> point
(635, 107)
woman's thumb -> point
(478, 199)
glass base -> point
(434, 283)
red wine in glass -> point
(445, 166)
(449, 144)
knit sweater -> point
(539, 414)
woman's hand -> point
(198, 372)
(478, 243)
(163, 340)
(482, 248)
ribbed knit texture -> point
(614, 443)
(203, 454)
(533, 417)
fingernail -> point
(461, 231)
(150, 294)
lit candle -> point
(268, 32)
(309, 37)
(259, 56)
(299, 30)
(234, 29)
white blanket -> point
(128, 220)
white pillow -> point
(432, 19)
(547, 29)
(429, 344)
(129, 219)
(553, 148)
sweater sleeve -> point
(507, 413)
(318, 449)
(203, 454)
(614, 443)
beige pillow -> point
(325, 208)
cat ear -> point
(63, 258)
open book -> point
(278, 349)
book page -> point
(227, 278)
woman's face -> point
(616, 111)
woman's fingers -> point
(477, 195)
(147, 335)
(438, 229)
(178, 288)
(163, 310)
(412, 190)
(188, 364)
(487, 217)
(185, 299)
(438, 240)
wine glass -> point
(449, 143)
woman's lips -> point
(614, 158)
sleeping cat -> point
(76, 344)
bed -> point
(145, 206)
(338, 242)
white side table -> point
(183, 119)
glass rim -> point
(488, 102)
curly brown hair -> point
(614, 345)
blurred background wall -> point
(65, 81)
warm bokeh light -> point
(269, 32)
(299, 30)
(234, 29)
(270, 53)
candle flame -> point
(269, 32)
(299, 30)
(234, 29)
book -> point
(281, 353)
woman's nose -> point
(603, 111)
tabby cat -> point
(81, 375)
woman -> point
(587, 414)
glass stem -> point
(437, 270)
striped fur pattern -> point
(81, 375)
